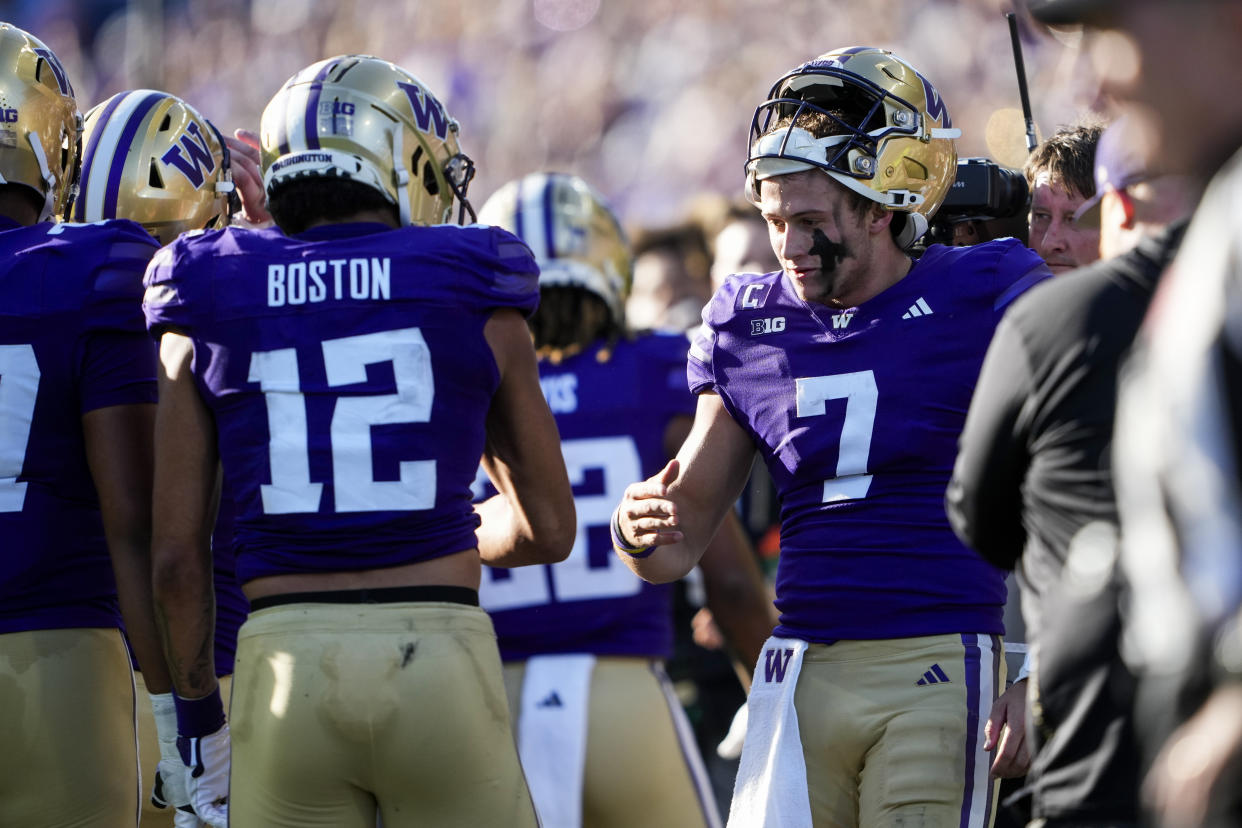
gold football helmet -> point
(576, 239)
(890, 137)
(39, 122)
(151, 157)
(367, 120)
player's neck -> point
(376, 216)
(890, 266)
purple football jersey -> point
(612, 417)
(72, 341)
(856, 413)
(349, 379)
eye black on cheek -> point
(830, 253)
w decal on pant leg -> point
(775, 664)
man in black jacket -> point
(1032, 487)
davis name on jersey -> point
(856, 413)
(72, 340)
(612, 418)
(349, 378)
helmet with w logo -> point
(363, 119)
(152, 158)
(870, 121)
(40, 126)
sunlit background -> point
(650, 100)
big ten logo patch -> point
(337, 116)
(8, 116)
(771, 324)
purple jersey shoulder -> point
(489, 267)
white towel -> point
(552, 734)
(771, 786)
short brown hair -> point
(820, 125)
(1068, 157)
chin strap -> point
(401, 177)
(49, 180)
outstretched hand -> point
(244, 147)
(647, 517)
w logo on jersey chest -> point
(191, 155)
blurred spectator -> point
(650, 99)
(1060, 176)
(671, 281)
(1032, 488)
(1177, 430)
(1132, 200)
(739, 241)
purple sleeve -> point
(117, 361)
(700, 372)
(117, 369)
(163, 301)
(1019, 269)
(511, 275)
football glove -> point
(206, 760)
(169, 789)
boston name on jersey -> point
(865, 544)
(340, 450)
(318, 280)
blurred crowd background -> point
(650, 100)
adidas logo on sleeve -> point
(919, 308)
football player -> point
(584, 637)
(77, 394)
(850, 371)
(150, 157)
(349, 367)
